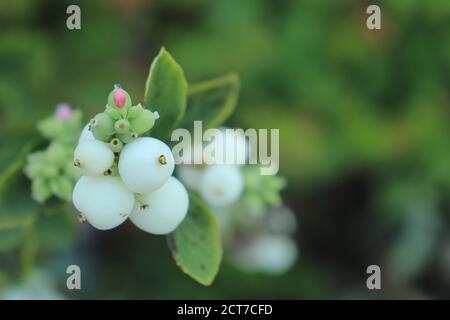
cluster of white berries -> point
(127, 177)
(220, 185)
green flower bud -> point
(113, 113)
(144, 122)
(62, 187)
(128, 137)
(122, 126)
(116, 145)
(34, 165)
(40, 190)
(119, 99)
(134, 111)
(50, 171)
(102, 123)
(63, 128)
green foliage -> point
(51, 170)
(57, 227)
(165, 92)
(362, 115)
(211, 101)
(196, 244)
(63, 131)
(261, 191)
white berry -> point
(104, 201)
(235, 146)
(93, 157)
(189, 175)
(145, 164)
(161, 211)
(86, 134)
(221, 185)
(273, 254)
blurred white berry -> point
(235, 146)
(221, 185)
(93, 157)
(38, 285)
(104, 201)
(282, 220)
(273, 254)
(161, 211)
(190, 175)
(145, 164)
(86, 134)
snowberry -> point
(273, 254)
(93, 157)
(145, 164)
(104, 201)
(161, 211)
(190, 175)
(221, 185)
(235, 146)
(86, 134)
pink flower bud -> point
(119, 98)
(63, 111)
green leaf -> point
(212, 101)
(57, 228)
(196, 243)
(165, 92)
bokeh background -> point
(364, 134)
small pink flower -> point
(63, 111)
(119, 98)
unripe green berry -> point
(128, 137)
(122, 126)
(50, 171)
(103, 124)
(144, 122)
(116, 145)
(101, 136)
(134, 111)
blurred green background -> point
(363, 118)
